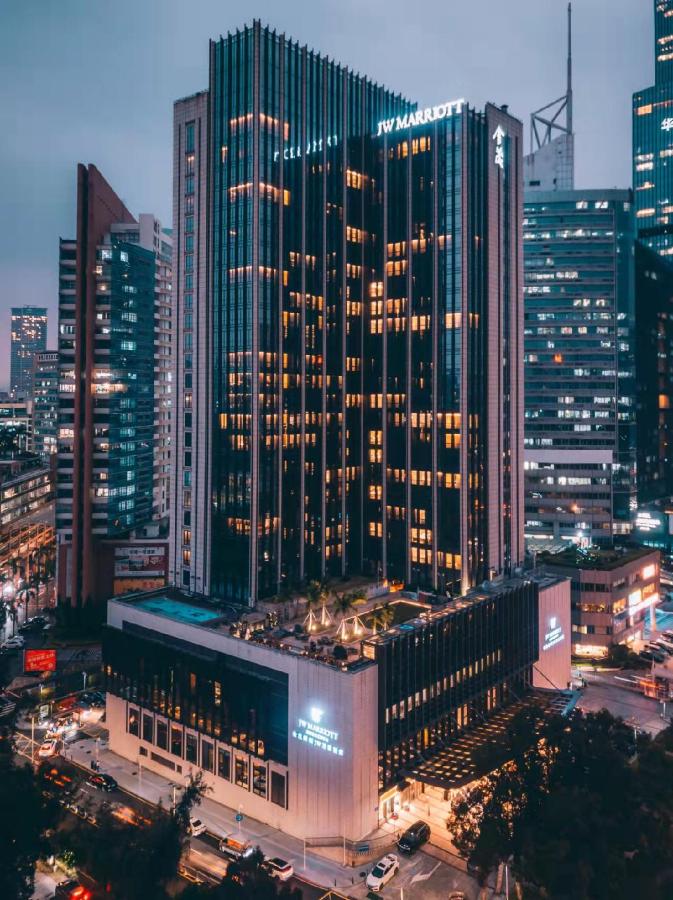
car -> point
(14, 643)
(49, 748)
(71, 890)
(102, 782)
(414, 837)
(196, 827)
(66, 729)
(382, 872)
(278, 868)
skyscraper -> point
(579, 365)
(109, 301)
(653, 142)
(354, 308)
(29, 336)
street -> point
(604, 690)
(139, 787)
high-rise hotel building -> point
(348, 339)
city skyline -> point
(394, 50)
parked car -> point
(102, 782)
(196, 827)
(278, 868)
(383, 871)
(49, 748)
(414, 837)
(14, 643)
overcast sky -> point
(94, 81)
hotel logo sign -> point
(420, 117)
(313, 733)
(554, 634)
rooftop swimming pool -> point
(176, 609)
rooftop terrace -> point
(596, 558)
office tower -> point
(29, 336)
(348, 366)
(191, 417)
(663, 37)
(550, 165)
(149, 234)
(45, 403)
(654, 375)
(579, 365)
(653, 142)
(107, 346)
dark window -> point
(190, 748)
(189, 137)
(176, 741)
(142, 751)
(162, 735)
(224, 763)
(148, 728)
(242, 775)
(134, 720)
(259, 780)
(207, 756)
(278, 789)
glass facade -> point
(579, 365)
(663, 35)
(653, 142)
(124, 387)
(357, 403)
(289, 134)
(442, 675)
(235, 701)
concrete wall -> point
(552, 670)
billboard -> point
(140, 561)
(39, 661)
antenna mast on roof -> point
(549, 119)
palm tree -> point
(343, 604)
(314, 593)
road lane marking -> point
(424, 877)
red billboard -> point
(39, 661)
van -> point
(235, 848)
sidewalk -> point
(219, 819)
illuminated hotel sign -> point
(420, 117)
(313, 733)
(645, 521)
(555, 634)
(498, 137)
(311, 147)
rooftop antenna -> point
(549, 119)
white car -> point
(279, 868)
(196, 827)
(14, 643)
(49, 748)
(382, 872)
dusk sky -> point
(84, 80)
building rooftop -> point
(317, 631)
(594, 558)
